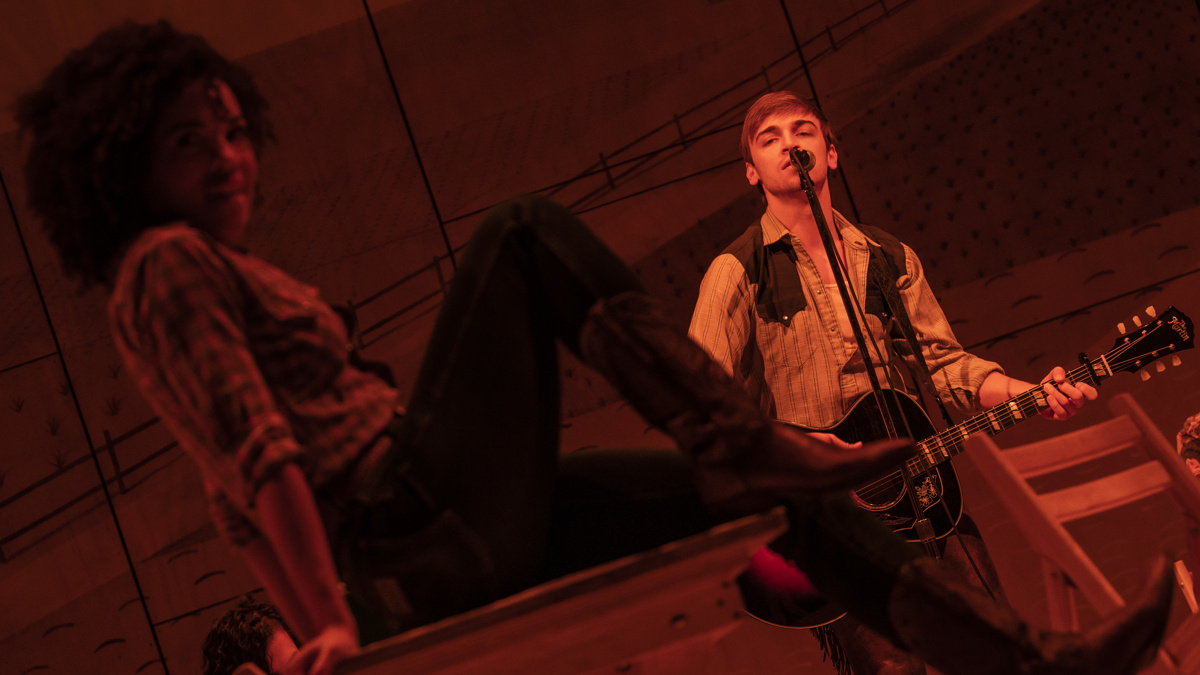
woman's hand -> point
(319, 655)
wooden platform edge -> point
(738, 538)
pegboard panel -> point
(1068, 125)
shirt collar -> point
(773, 230)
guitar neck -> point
(946, 444)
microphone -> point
(802, 159)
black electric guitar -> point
(778, 593)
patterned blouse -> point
(248, 368)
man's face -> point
(774, 140)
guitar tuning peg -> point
(1175, 360)
(1145, 375)
(1150, 312)
(1160, 366)
(1137, 322)
(1121, 328)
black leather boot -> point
(744, 461)
(959, 630)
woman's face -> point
(203, 168)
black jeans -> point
(480, 436)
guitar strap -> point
(883, 300)
(885, 273)
(881, 272)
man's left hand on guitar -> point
(1063, 397)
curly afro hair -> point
(91, 124)
(239, 636)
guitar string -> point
(1025, 401)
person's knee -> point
(530, 222)
(525, 212)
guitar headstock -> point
(1156, 337)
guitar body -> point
(776, 592)
(938, 495)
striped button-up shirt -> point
(804, 368)
(247, 367)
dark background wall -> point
(1038, 156)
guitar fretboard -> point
(1171, 332)
(948, 443)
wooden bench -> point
(599, 618)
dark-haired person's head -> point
(117, 121)
(252, 632)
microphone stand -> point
(802, 161)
